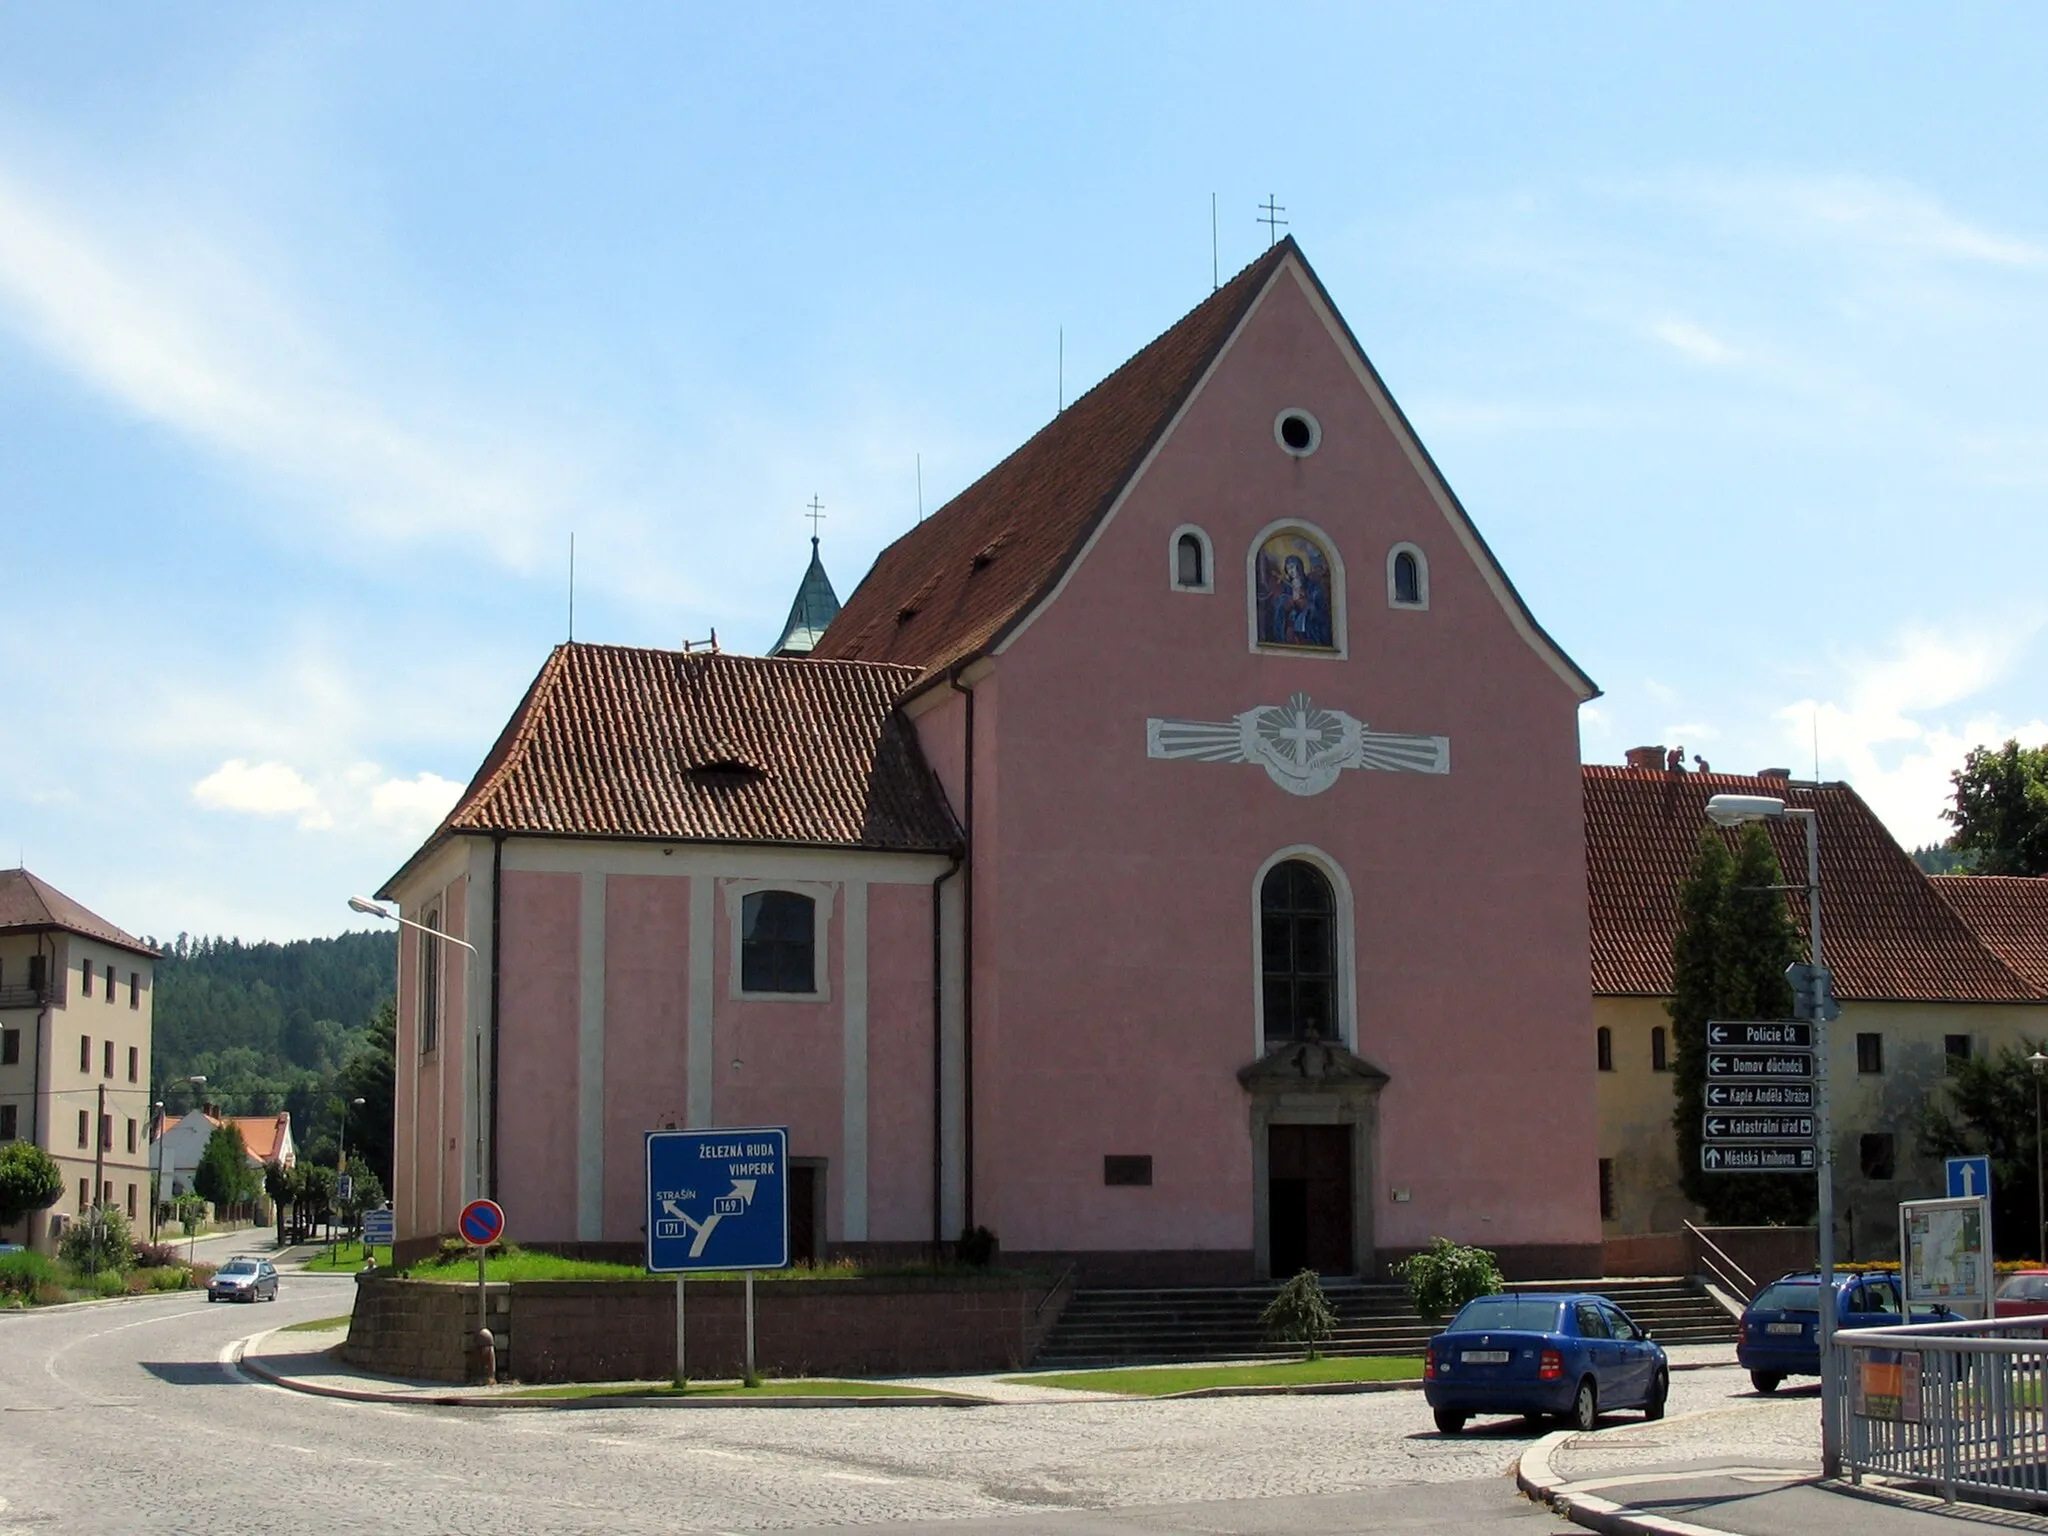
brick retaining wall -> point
(573, 1330)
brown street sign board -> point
(1767, 1066)
(1778, 1096)
(1760, 1034)
(1790, 1158)
(1745, 1127)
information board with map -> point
(1945, 1246)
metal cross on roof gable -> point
(816, 515)
(1269, 215)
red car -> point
(2023, 1293)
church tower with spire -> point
(816, 606)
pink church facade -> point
(1194, 889)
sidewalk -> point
(1751, 1469)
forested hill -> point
(261, 1020)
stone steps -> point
(1173, 1324)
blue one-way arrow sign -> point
(1968, 1177)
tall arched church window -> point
(778, 942)
(429, 1013)
(1193, 563)
(1298, 953)
(1297, 593)
(1407, 577)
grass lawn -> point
(317, 1325)
(1157, 1380)
(350, 1260)
(800, 1388)
(521, 1265)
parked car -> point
(245, 1277)
(1575, 1355)
(1780, 1334)
(2023, 1293)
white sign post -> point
(1945, 1254)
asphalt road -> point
(121, 1418)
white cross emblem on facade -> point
(1302, 748)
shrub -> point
(30, 1181)
(1300, 1313)
(97, 1240)
(23, 1274)
(976, 1248)
(1446, 1275)
(157, 1256)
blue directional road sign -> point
(1968, 1176)
(380, 1227)
(717, 1200)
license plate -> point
(1484, 1357)
(1784, 1327)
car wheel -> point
(1660, 1389)
(1585, 1412)
(1765, 1381)
(1449, 1422)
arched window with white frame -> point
(1193, 560)
(1407, 577)
(1303, 946)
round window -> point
(1297, 432)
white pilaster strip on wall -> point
(476, 1013)
(853, 1181)
(590, 977)
(703, 1075)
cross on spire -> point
(1269, 215)
(817, 515)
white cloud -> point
(1893, 731)
(1695, 341)
(414, 805)
(1696, 730)
(177, 327)
(261, 789)
(1869, 215)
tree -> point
(277, 1187)
(1301, 1314)
(1990, 1110)
(312, 1194)
(98, 1240)
(1728, 961)
(371, 1074)
(224, 1175)
(30, 1181)
(2001, 809)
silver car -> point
(245, 1277)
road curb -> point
(1535, 1476)
(241, 1360)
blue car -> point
(1569, 1355)
(1781, 1325)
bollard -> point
(487, 1356)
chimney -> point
(1784, 774)
(1644, 757)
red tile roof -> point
(260, 1133)
(30, 905)
(1887, 934)
(953, 585)
(2008, 913)
(617, 742)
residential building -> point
(266, 1139)
(1170, 859)
(1918, 986)
(75, 994)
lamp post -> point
(192, 1233)
(156, 1180)
(370, 908)
(1734, 811)
(2038, 1061)
(341, 1171)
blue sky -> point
(321, 331)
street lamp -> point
(156, 1184)
(370, 908)
(192, 1233)
(341, 1171)
(2038, 1061)
(1734, 811)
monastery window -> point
(131, 1202)
(107, 1058)
(778, 942)
(1955, 1050)
(131, 1136)
(110, 986)
(85, 979)
(135, 989)
(84, 1128)
(1194, 568)
(84, 1193)
(430, 982)
(1297, 432)
(1607, 1203)
(1870, 1053)
(9, 1126)
(1878, 1156)
(1296, 587)
(134, 1063)
(1603, 1048)
(10, 1047)
(85, 1053)
(1407, 577)
(1298, 953)
(1660, 1050)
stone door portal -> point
(1309, 1199)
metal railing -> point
(1957, 1406)
(26, 997)
(1721, 1266)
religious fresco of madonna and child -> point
(1296, 604)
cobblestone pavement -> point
(120, 1418)
(1780, 1430)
